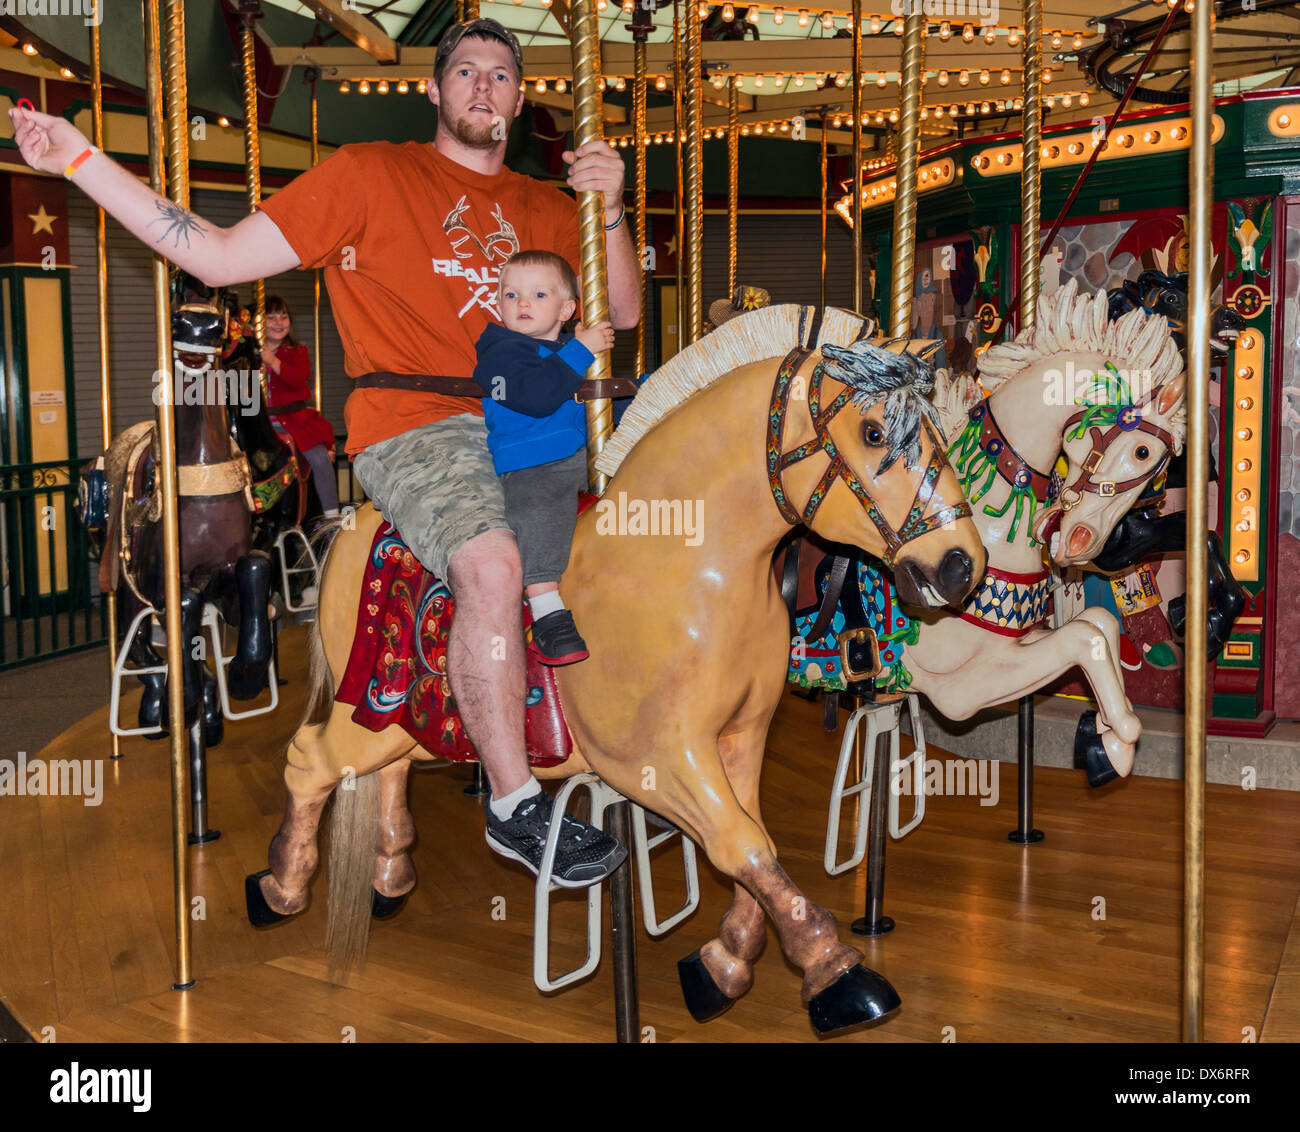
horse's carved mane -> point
(769, 332)
(1068, 322)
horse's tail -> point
(320, 693)
(352, 869)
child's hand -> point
(595, 338)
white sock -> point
(545, 603)
(503, 808)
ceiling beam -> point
(347, 21)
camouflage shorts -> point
(437, 486)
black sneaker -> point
(557, 639)
(583, 855)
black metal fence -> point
(49, 604)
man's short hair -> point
(481, 28)
(556, 263)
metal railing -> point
(49, 603)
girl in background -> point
(288, 373)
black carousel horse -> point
(1144, 533)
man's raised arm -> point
(253, 249)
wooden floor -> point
(999, 942)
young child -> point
(537, 432)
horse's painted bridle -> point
(916, 523)
(1128, 418)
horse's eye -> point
(1142, 452)
(873, 434)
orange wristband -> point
(78, 161)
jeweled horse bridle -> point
(1128, 418)
(914, 526)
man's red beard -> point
(472, 133)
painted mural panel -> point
(1286, 659)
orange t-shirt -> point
(412, 245)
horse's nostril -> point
(955, 572)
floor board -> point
(994, 941)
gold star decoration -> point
(42, 221)
(671, 246)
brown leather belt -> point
(468, 387)
(285, 410)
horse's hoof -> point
(246, 682)
(859, 995)
(704, 998)
(260, 913)
(1090, 752)
(384, 907)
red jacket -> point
(307, 427)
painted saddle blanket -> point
(397, 669)
(868, 601)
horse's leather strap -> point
(790, 579)
(1012, 467)
(225, 478)
(468, 387)
(285, 410)
(834, 587)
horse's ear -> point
(1171, 394)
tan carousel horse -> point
(688, 642)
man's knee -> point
(487, 568)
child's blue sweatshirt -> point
(529, 409)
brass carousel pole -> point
(315, 281)
(471, 9)
(584, 33)
(1030, 204)
(693, 181)
(856, 105)
(639, 82)
(821, 301)
(679, 211)
(1198, 475)
(1032, 143)
(101, 296)
(909, 133)
(249, 12)
(584, 36)
(166, 425)
(733, 189)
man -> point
(411, 237)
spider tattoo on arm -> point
(179, 222)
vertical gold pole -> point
(101, 298)
(693, 185)
(733, 189)
(822, 292)
(166, 425)
(1198, 476)
(856, 105)
(639, 82)
(471, 9)
(460, 10)
(1030, 177)
(584, 38)
(678, 204)
(252, 160)
(909, 136)
(315, 280)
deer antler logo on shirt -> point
(498, 245)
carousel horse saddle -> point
(848, 629)
(397, 667)
(125, 496)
